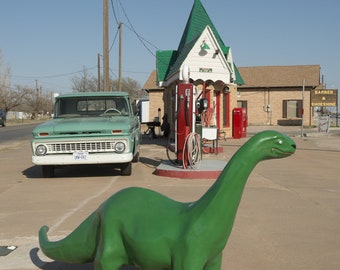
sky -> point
(50, 42)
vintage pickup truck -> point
(88, 128)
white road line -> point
(87, 200)
(82, 204)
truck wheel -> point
(136, 157)
(126, 168)
(48, 171)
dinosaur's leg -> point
(215, 264)
(111, 253)
(197, 264)
(188, 265)
(185, 261)
(195, 259)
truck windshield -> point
(91, 107)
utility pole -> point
(106, 45)
(36, 89)
(120, 59)
(98, 83)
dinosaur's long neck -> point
(218, 206)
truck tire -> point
(136, 158)
(48, 171)
(126, 169)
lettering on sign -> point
(324, 98)
(206, 70)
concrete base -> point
(208, 169)
(212, 150)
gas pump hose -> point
(192, 150)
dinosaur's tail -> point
(77, 247)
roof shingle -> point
(280, 76)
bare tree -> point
(37, 103)
(85, 82)
(10, 98)
(5, 83)
(130, 86)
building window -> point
(292, 108)
(242, 104)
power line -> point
(129, 26)
(114, 40)
(142, 38)
(114, 74)
(114, 13)
(134, 30)
(51, 76)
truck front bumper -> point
(82, 158)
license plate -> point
(80, 155)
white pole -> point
(302, 109)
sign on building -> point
(324, 98)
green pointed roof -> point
(239, 80)
(196, 23)
(165, 60)
(169, 62)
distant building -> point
(272, 95)
(156, 107)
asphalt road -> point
(10, 135)
(288, 218)
(16, 132)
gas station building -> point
(203, 60)
(266, 95)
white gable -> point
(207, 62)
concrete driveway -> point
(289, 216)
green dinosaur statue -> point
(146, 229)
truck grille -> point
(70, 147)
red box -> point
(239, 123)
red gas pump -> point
(185, 118)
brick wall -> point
(156, 102)
(258, 99)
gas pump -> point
(187, 142)
(185, 117)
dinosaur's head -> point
(272, 144)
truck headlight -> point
(41, 150)
(120, 147)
